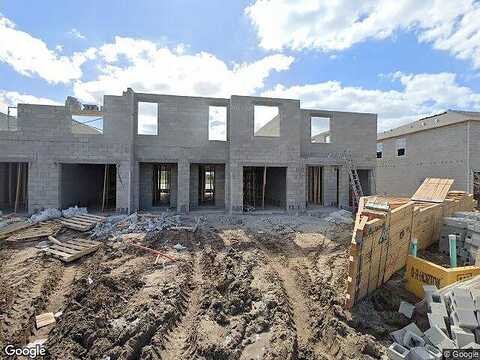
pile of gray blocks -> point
(454, 324)
(466, 227)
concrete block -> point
(406, 309)
(397, 352)
(419, 353)
(439, 309)
(411, 340)
(399, 334)
(464, 318)
(463, 302)
(438, 338)
(462, 337)
(437, 320)
(472, 345)
(459, 223)
(434, 352)
(459, 291)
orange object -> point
(156, 252)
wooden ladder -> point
(354, 179)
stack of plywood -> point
(384, 227)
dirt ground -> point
(244, 287)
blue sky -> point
(401, 59)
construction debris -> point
(74, 211)
(44, 320)
(36, 232)
(466, 227)
(47, 214)
(71, 250)
(452, 319)
(82, 222)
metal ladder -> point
(354, 179)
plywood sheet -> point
(433, 190)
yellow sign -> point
(421, 272)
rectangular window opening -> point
(147, 123)
(320, 130)
(217, 123)
(379, 150)
(266, 121)
(87, 124)
(401, 147)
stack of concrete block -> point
(454, 324)
(466, 227)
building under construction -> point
(153, 152)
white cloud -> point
(13, 98)
(336, 25)
(31, 56)
(422, 95)
(76, 34)
(144, 66)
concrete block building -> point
(153, 152)
(446, 145)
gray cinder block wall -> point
(445, 145)
(45, 140)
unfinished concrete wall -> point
(438, 152)
(44, 139)
(249, 150)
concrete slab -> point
(406, 309)
(397, 352)
(472, 345)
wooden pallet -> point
(82, 222)
(37, 231)
(433, 190)
(73, 249)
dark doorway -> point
(93, 186)
(264, 188)
(314, 185)
(162, 185)
(14, 186)
(206, 185)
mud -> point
(248, 287)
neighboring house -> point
(163, 151)
(446, 145)
(7, 122)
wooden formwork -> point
(381, 237)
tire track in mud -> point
(26, 286)
(295, 297)
(179, 338)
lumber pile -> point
(384, 227)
